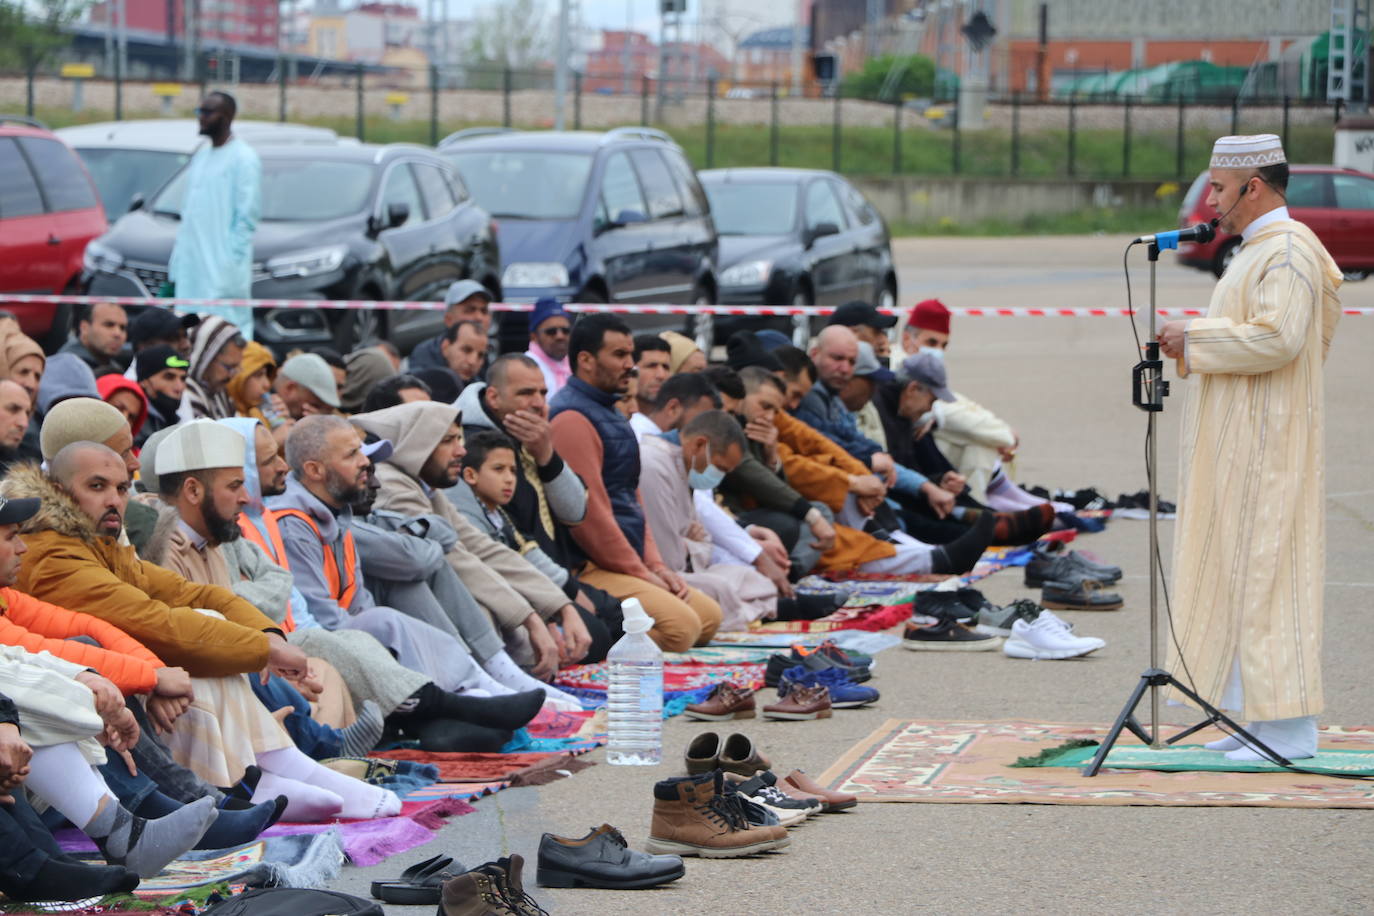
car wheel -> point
(358, 327)
(1225, 256)
(1355, 275)
(887, 298)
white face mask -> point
(934, 351)
(923, 419)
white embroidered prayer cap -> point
(1250, 152)
(199, 446)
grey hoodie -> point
(305, 553)
(566, 493)
(500, 579)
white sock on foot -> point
(1294, 738)
(305, 804)
(502, 667)
(359, 799)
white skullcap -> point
(1251, 152)
(199, 446)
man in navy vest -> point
(596, 441)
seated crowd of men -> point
(226, 570)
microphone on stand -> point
(1202, 232)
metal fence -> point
(719, 122)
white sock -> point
(502, 667)
(60, 775)
(483, 679)
(305, 804)
(1230, 742)
(1294, 739)
(359, 799)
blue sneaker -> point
(844, 693)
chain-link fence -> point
(719, 122)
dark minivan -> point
(592, 217)
(338, 222)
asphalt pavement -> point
(1064, 384)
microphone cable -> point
(1164, 582)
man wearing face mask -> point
(162, 375)
(675, 465)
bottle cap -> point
(637, 620)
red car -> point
(1338, 205)
(49, 210)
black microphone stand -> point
(1148, 391)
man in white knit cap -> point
(1250, 549)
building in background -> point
(225, 23)
(766, 56)
(1251, 47)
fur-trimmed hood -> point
(58, 511)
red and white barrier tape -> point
(613, 308)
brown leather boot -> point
(507, 874)
(474, 893)
(693, 818)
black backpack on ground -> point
(294, 901)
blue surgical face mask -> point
(708, 479)
(935, 352)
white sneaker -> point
(1047, 637)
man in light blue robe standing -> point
(213, 255)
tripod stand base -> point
(1154, 679)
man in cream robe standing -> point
(1250, 548)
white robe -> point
(1249, 553)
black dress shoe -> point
(602, 858)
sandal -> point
(418, 884)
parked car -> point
(796, 237)
(338, 222)
(131, 159)
(592, 217)
(49, 210)
(1337, 204)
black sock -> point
(507, 712)
(68, 881)
(961, 555)
(246, 786)
(234, 828)
(808, 607)
(455, 736)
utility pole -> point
(560, 73)
(796, 61)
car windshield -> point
(765, 208)
(526, 185)
(119, 174)
(295, 189)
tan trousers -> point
(678, 624)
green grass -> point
(1106, 220)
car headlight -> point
(307, 263)
(750, 273)
(98, 257)
(534, 273)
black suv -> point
(353, 221)
(591, 217)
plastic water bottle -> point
(634, 700)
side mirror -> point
(397, 214)
(628, 217)
(818, 231)
(136, 202)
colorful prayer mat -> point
(972, 762)
(677, 677)
(296, 859)
(1185, 758)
